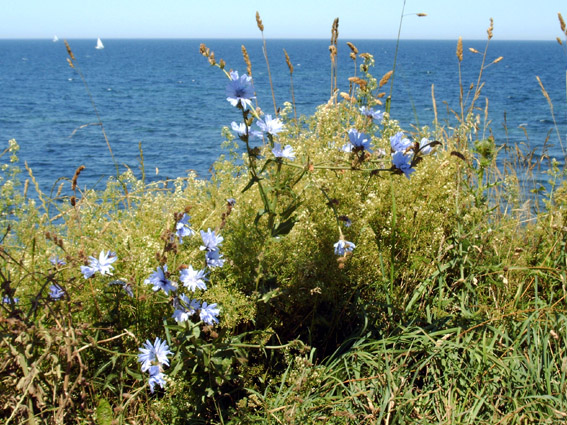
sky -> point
(202, 19)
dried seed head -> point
(352, 47)
(561, 22)
(359, 81)
(385, 78)
(559, 41)
(204, 50)
(212, 60)
(59, 190)
(490, 28)
(335, 31)
(353, 56)
(460, 49)
(259, 22)
(222, 64)
(73, 200)
(333, 51)
(421, 15)
(69, 51)
(345, 96)
(76, 176)
(473, 50)
(498, 59)
(246, 60)
(70, 63)
(288, 61)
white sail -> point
(99, 44)
(55, 39)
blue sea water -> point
(164, 95)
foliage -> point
(367, 275)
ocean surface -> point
(164, 95)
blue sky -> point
(446, 19)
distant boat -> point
(55, 39)
(99, 44)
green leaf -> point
(283, 228)
(104, 414)
(250, 184)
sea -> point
(163, 96)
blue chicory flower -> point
(8, 300)
(358, 141)
(209, 313)
(424, 146)
(214, 259)
(342, 247)
(403, 163)
(56, 261)
(184, 308)
(399, 143)
(56, 292)
(242, 130)
(369, 112)
(160, 281)
(231, 202)
(156, 377)
(152, 354)
(102, 264)
(193, 279)
(211, 242)
(270, 125)
(183, 228)
(239, 90)
(286, 152)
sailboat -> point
(55, 39)
(99, 44)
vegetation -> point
(363, 276)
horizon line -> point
(267, 38)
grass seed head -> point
(460, 49)
(561, 23)
(246, 60)
(259, 22)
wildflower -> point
(342, 247)
(156, 377)
(371, 113)
(102, 264)
(160, 281)
(210, 240)
(240, 91)
(286, 152)
(214, 259)
(358, 141)
(244, 131)
(403, 163)
(399, 143)
(8, 300)
(184, 308)
(231, 202)
(56, 261)
(347, 221)
(56, 292)
(209, 313)
(270, 126)
(193, 279)
(424, 146)
(183, 228)
(154, 353)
